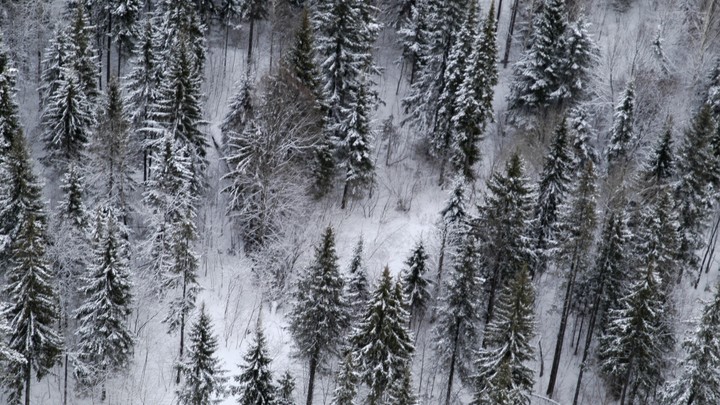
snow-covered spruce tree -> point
(713, 93)
(67, 121)
(435, 25)
(382, 344)
(178, 107)
(506, 218)
(83, 56)
(254, 10)
(576, 230)
(580, 134)
(241, 110)
(142, 84)
(54, 63)
(111, 151)
(415, 283)
(502, 377)
(9, 119)
(632, 349)
(168, 196)
(71, 229)
(347, 382)
(8, 358)
(581, 55)
(696, 173)
(255, 380)
(356, 150)
(346, 31)
(552, 191)
(20, 195)
(320, 313)
(622, 135)
(413, 36)
(456, 332)
(473, 109)
(301, 57)
(453, 223)
(286, 390)
(204, 378)
(442, 137)
(124, 30)
(537, 74)
(698, 381)
(105, 342)
(659, 167)
(357, 291)
(657, 238)
(402, 392)
(180, 19)
(181, 280)
(31, 310)
(605, 282)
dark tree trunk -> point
(561, 331)
(28, 377)
(250, 40)
(511, 30)
(343, 203)
(453, 358)
(65, 382)
(586, 349)
(311, 376)
(109, 46)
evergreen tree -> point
(693, 189)
(552, 192)
(538, 73)
(83, 56)
(168, 196)
(68, 120)
(638, 336)
(502, 376)
(454, 223)
(357, 293)
(622, 135)
(699, 379)
(181, 279)
(435, 26)
(254, 10)
(111, 151)
(55, 62)
(402, 391)
(456, 331)
(346, 31)
(660, 165)
(142, 85)
(125, 15)
(414, 33)
(506, 220)
(255, 380)
(105, 342)
(581, 55)
(382, 344)
(182, 23)
(580, 134)
(178, 106)
(474, 99)
(577, 230)
(713, 94)
(415, 283)
(442, 137)
(240, 110)
(320, 314)
(204, 379)
(301, 57)
(357, 149)
(286, 390)
(346, 389)
(658, 239)
(9, 119)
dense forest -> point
(383, 202)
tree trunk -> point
(491, 297)
(182, 329)
(250, 40)
(28, 377)
(453, 358)
(511, 30)
(586, 349)
(119, 52)
(497, 19)
(225, 53)
(343, 203)
(561, 331)
(441, 258)
(109, 45)
(65, 382)
(582, 323)
(311, 376)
